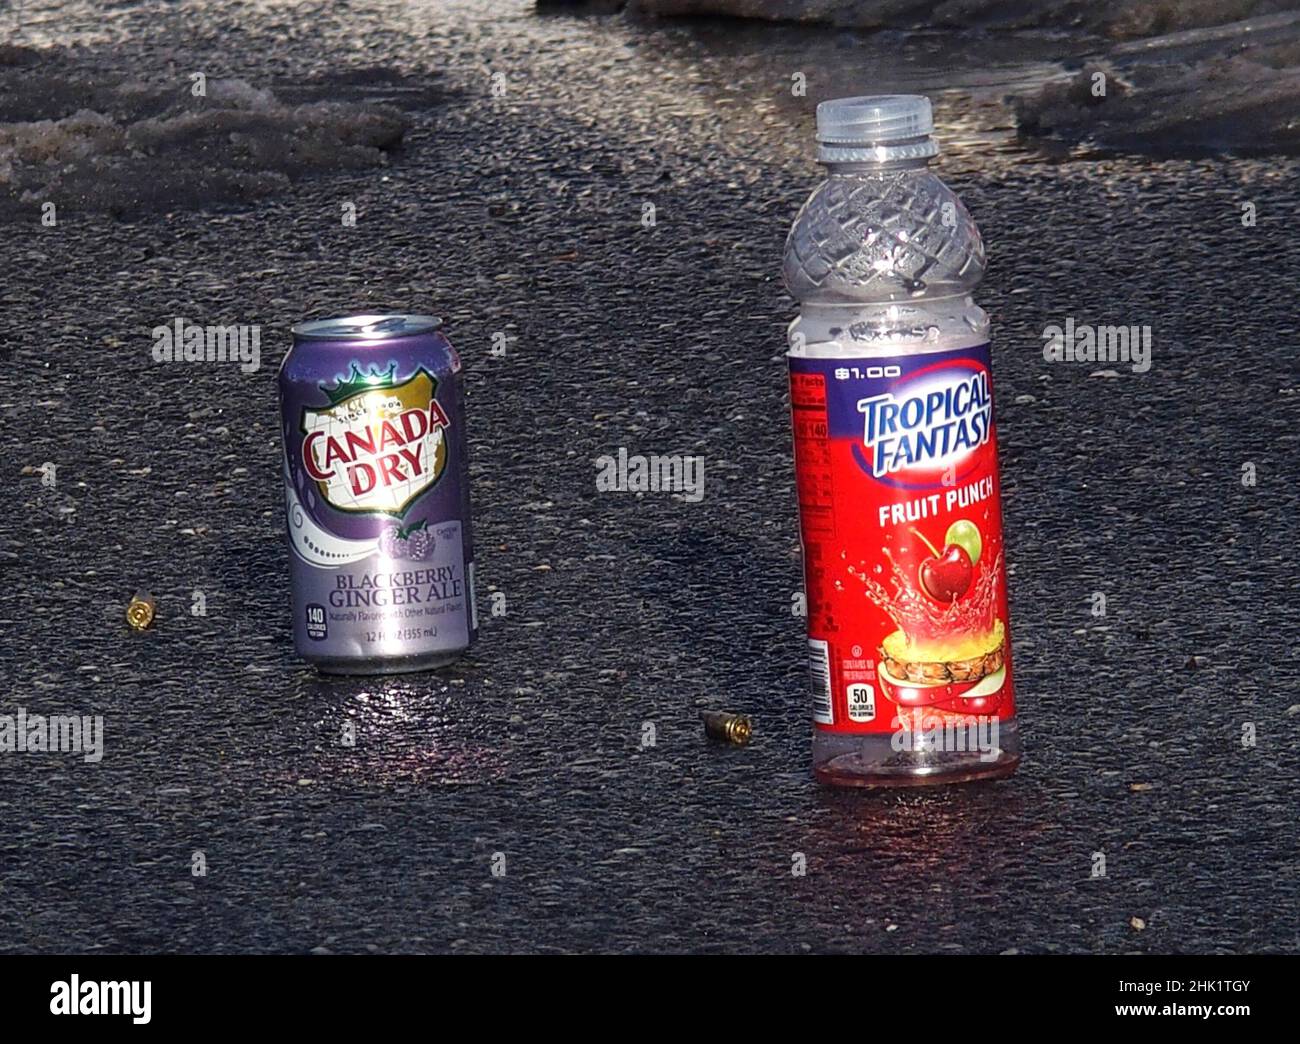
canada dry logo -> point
(379, 444)
(931, 423)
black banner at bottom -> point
(341, 993)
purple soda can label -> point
(377, 495)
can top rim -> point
(368, 327)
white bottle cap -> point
(875, 129)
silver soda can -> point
(377, 495)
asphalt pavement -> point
(515, 802)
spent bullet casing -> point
(139, 614)
(731, 728)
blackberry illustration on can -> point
(377, 495)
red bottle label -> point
(901, 518)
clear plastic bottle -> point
(896, 461)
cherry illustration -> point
(947, 576)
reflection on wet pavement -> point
(404, 730)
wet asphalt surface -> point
(522, 214)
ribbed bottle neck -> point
(851, 168)
(922, 147)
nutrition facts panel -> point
(815, 478)
(812, 452)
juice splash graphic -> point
(921, 619)
(947, 656)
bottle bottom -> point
(875, 760)
(388, 665)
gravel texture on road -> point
(521, 213)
